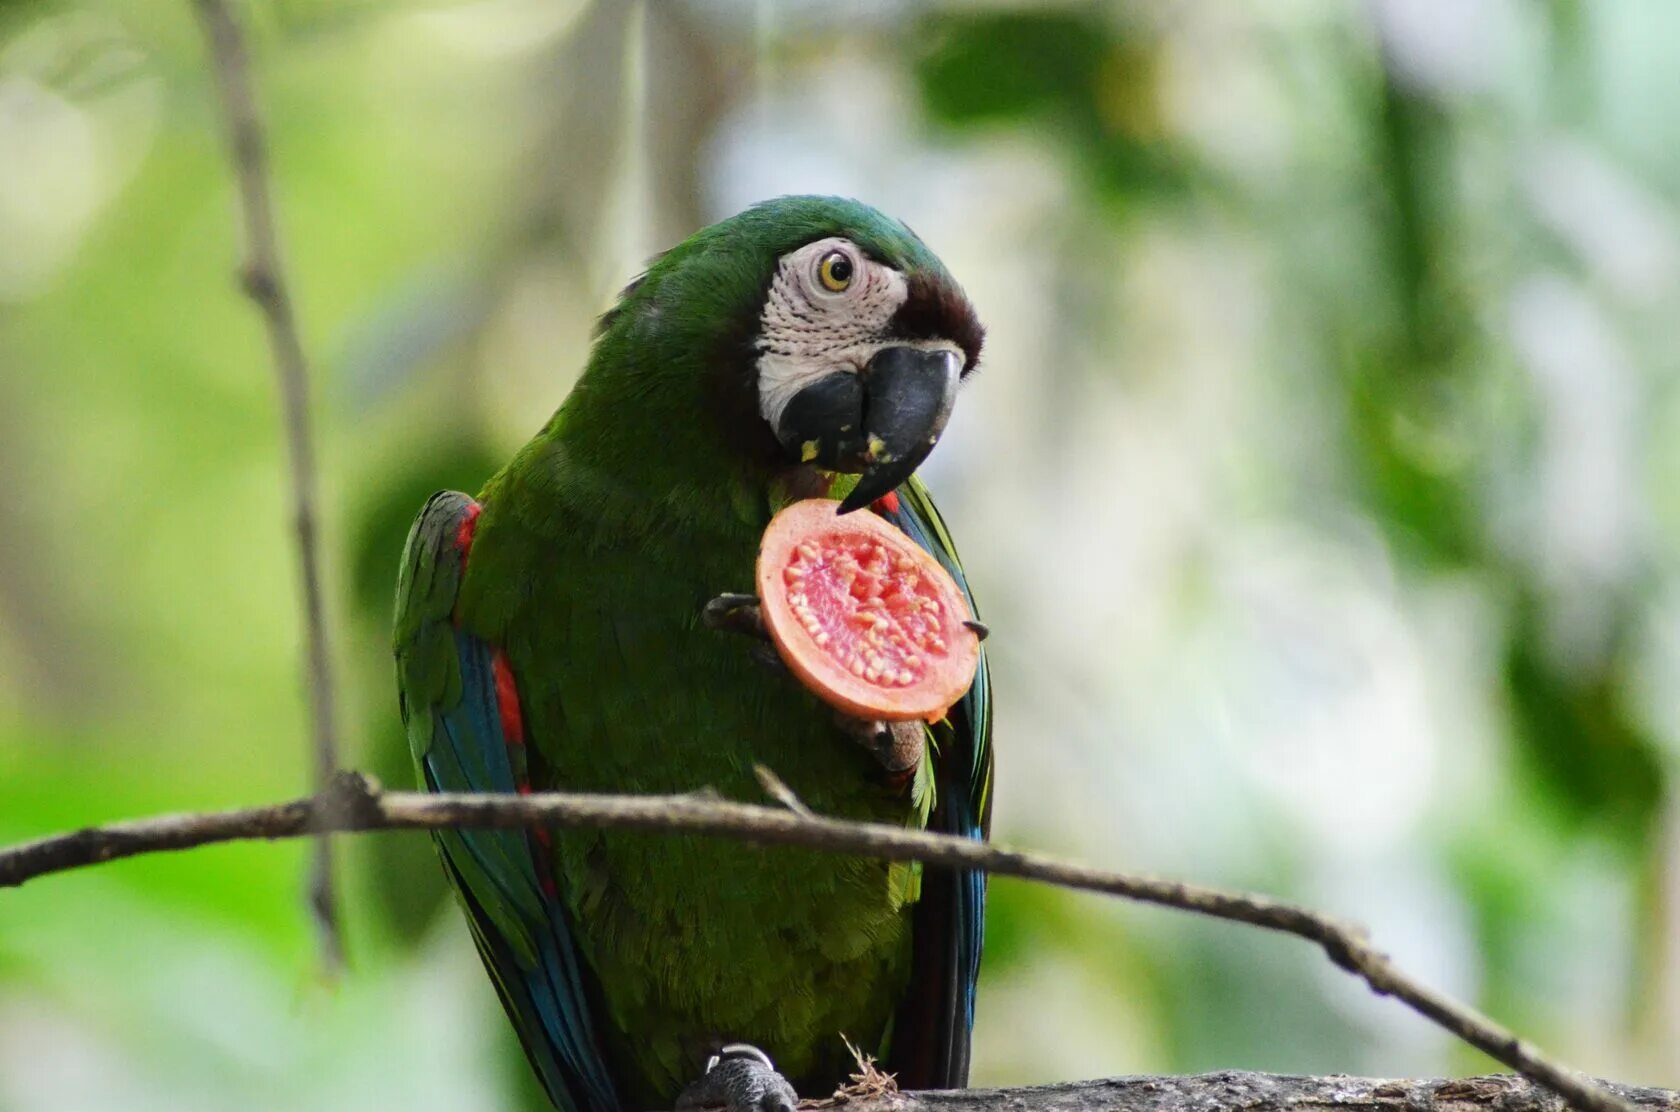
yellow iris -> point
(835, 271)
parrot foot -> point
(897, 745)
(741, 1078)
(732, 613)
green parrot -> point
(572, 628)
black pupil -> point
(839, 268)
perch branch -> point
(264, 282)
(1260, 1092)
(353, 803)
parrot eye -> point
(835, 271)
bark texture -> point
(1261, 1092)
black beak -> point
(882, 423)
(908, 397)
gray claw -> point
(740, 1078)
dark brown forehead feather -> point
(937, 309)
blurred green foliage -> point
(1393, 293)
(1074, 69)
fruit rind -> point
(880, 635)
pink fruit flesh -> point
(867, 619)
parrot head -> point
(843, 337)
(860, 346)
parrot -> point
(579, 626)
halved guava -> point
(866, 618)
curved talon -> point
(980, 629)
(740, 1050)
(734, 613)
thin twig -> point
(264, 282)
(353, 803)
(776, 788)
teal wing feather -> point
(460, 705)
(930, 1043)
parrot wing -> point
(930, 1044)
(460, 705)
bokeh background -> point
(1320, 489)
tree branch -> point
(1260, 1092)
(353, 803)
(264, 282)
